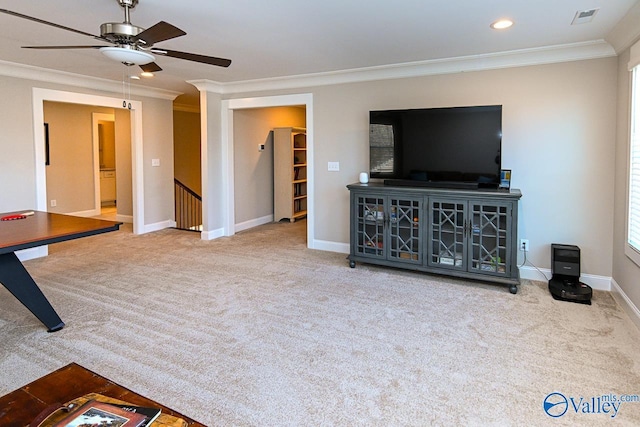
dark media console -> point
(468, 233)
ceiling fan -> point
(132, 45)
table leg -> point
(19, 282)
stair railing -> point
(188, 207)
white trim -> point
(514, 58)
(626, 31)
(137, 168)
(625, 302)
(228, 170)
(634, 56)
(600, 283)
(629, 250)
(325, 245)
(253, 223)
(212, 234)
(88, 213)
(634, 103)
(32, 253)
(29, 72)
(227, 148)
(204, 165)
(149, 228)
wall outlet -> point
(524, 245)
(53, 203)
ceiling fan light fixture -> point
(502, 24)
(127, 56)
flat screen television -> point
(440, 147)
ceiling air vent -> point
(584, 16)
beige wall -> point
(253, 169)
(558, 138)
(626, 273)
(17, 162)
(107, 137)
(70, 178)
(70, 174)
(157, 130)
(186, 150)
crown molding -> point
(627, 31)
(29, 72)
(516, 58)
(204, 85)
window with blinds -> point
(633, 237)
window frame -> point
(632, 246)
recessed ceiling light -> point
(134, 77)
(502, 24)
(146, 74)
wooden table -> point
(22, 406)
(41, 228)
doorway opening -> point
(135, 115)
(104, 134)
(272, 187)
(236, 106)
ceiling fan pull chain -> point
(126, 83)
(124, 94)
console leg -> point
(513, 289)
(19, 282)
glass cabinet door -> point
(405, 242)
(490, 244)
(369, 232)
(447, 234)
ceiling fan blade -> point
(159, 32)
(151, 67)
(211, 60)
(41, 21)
(62, 47)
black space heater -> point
(565, 284)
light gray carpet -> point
(258, 330)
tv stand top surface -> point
(378, 186)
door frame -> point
(137, 170)
(228, 185)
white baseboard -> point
(601, 283)
(627, 305)
(148, 228)
(92, 212)
(324, 245)
(212, 234)
(32, 253)
(253, 223)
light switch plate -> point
(333, 166)
(155, 162)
